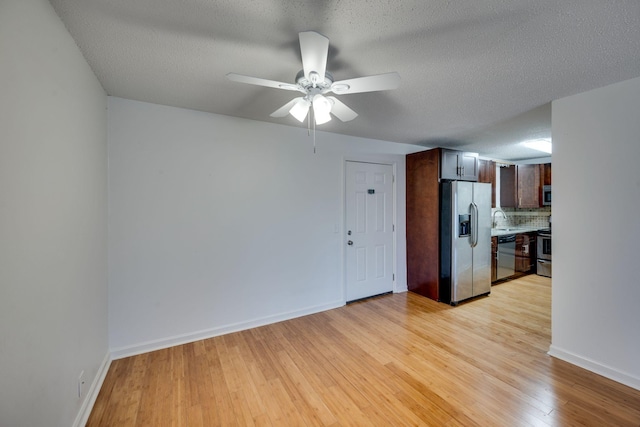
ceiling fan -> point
(315, 83)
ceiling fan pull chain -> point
(314, 136)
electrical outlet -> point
(80, 384)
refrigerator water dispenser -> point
(464, 225)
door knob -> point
(350, 243)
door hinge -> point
(393, 178)
(393, 227)
(393, 277)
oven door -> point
(544, 247)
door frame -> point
(379, 161)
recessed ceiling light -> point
(541, 144)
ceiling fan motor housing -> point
(308, 84)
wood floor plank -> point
(398, 359)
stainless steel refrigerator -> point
(465, 240)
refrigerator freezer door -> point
(482, 250)
(461, 251)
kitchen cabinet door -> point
(520, 186)
(545, 174)
(449, 168)
(508, 191)
(487, 173)
(528, 177)
(545, 179)
(458, 165)
(525, 253)
(469, 163)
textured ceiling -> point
(476, 75)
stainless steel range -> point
(544, 253)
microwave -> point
(546, 195)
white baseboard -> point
(593, 366)
(145, 347)
(92, 394)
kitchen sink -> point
(502, 231)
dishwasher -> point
(506, 256)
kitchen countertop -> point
(513, 230)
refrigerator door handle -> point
(474, 225)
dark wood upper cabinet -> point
(487, 173)
(545, 179)
(528, 186)
(508, 190)
(545, 174)
(458, 165)
(520, 186)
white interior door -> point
(369, 229)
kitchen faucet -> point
(493, 224)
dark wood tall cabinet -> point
(423, 222)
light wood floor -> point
(394, 360)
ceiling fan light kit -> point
(314, 48)
(321, 109)
(300, 109)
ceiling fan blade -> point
(263, 82)
(340, 110)
(367, 84)
(284, 110)
(314, 48)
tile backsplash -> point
(534, 218)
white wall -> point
(53, 201)
(219, 224)
(596, 200)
